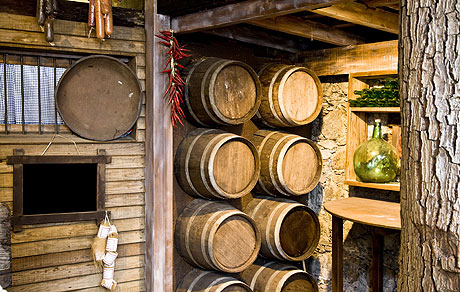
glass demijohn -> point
(376, 160)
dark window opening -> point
(59, 188)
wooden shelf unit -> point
(357, 125)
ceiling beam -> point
(309, 29)
(352, 59)
(363, 15)
(244, 12)
(249, 35)
(381, 3)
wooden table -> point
(383, 216)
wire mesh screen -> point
(38, 107)
(27, 85)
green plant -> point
(386, 95)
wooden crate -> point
(357, 129)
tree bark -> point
(429, 64)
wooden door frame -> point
(158, 161)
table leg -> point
(337, 254)
(377, 261)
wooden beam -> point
(361, 14)
(262, 38)
(309, 29)
(132, 4)
(244, 12)
(352, 59)
(381, 3)
(158, 160)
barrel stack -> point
(264, 167)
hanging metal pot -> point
(99, 98)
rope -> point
(52, 140)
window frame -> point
(19, 159)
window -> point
(50, 189)
(27, 83)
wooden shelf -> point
(357, 128)
(376, 109)
(382, 186)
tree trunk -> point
(430, 93)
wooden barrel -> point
(212, 163)
(207, 281)
(215, 236)
(289, 230)
(277, 277)
(291, 96)
(289, 164)
(221, 92)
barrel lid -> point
(99, 98)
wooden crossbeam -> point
(309, 29)
(245, 11)
(363, 15)
(381, 3)
(351, 59)
(262, 38)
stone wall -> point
(329, 132)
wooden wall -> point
(57, 257)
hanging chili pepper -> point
(175, 90)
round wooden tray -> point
(99, 98)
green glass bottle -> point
(376, 160)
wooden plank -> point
(65, 159)
(141, 123)
(46, 129)
(64, 42)
(123, 162)
(68, 244)
(67, 148)
(243, 12)
(127, 212)
(351, 59)
(256, 37)
(140, 135)
(19, 220)
(381, 3)
(310, 30)
(361, 14)
(5, 168)
(125, 200)
(395, 110)
(64, 27)
(126, 174)
(72, 270)
(356, 128)
(31, 234)
(124, 187)
(74, 283)
(6, 194)
(387, 186)
(158, 161)
(6, 180)
(71, 257)
(132, 286)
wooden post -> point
(377, 260)
(158, 161)
(337, 254)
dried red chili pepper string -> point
(175, 89)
